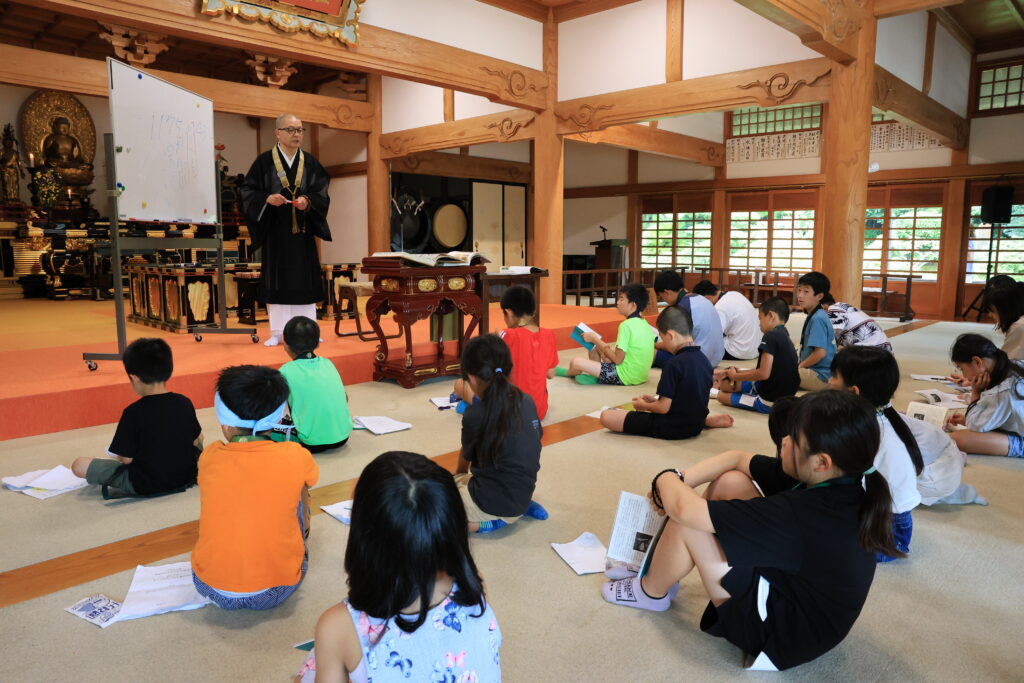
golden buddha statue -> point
(63, 152)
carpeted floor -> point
(948, 612)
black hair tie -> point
(655, 496)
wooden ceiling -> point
(27, 26)
(564, 10)
(994, 24)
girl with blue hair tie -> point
(254, 497)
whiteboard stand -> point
(153, 244)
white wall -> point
(466, 24)
(590, 164)
(347, 218)
(720, 36)
(231, 130)
(582, 218)
(468, 106)
(405, 104)
(707, 125)
(899, 47)
(506, 151)
(758, 169)
(613, 50)
(654, 168)
(996, 139)
(951, 72)
(915, 158)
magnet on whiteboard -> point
(119, 149)
(140, 76)
(144, 205)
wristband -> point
(655, 496)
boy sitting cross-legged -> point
(681, 408)
(158, 437)
(817, 338)
(629, 361)
(254, 497)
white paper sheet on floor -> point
(160, 589)
(585, 555)
(44, 484)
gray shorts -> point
(109, 472)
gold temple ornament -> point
(338, 19)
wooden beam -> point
(463, 166)
(894, 8)
(633, 209)
(524, 8)
(379, 51)
(1003, 41)
(768, 86)
(1016, 10)
(905, 103)
(826, 27)
(346, 170)
(673, 40)
(929, 53)
(449, 105)
(509, 126)
(656, 141)
(956, 29)
(39, 69)
(575, 10)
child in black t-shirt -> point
(500, 458)
(156, 446)
(787, 574)
(776, 374)
(680, 410)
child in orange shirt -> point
(254, 497)
(534, 349)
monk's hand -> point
(302, 203)
(276, 200)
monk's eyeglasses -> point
(293, 131)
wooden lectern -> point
(416, 293)
(609, 254)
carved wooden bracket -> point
(272, 71)
(138, 48)
(778, 87)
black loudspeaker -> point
(996, 204)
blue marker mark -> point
(140, 76)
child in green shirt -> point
(629, 361)
(316, 396)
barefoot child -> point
(629, 361)
(500, 457)
(776, 374)
(787, 574)
(415, 596)
(680, 410)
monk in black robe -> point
(285, 200)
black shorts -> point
(737, 619)
(641, 423)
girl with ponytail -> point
(787, 572)
(995, 416)
(500, 456)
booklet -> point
(941, 397)
(936, 414)
(379, 424)
(96, 609)
(160, 589)
(577, 335)
(44, 484)
(340, 511)
(585, 555)
(636, 528)
(451, 258)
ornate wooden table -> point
(416, 293)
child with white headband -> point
(254, 497)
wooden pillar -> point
(845, 165)
(633, 209)
(954, 223)
(548, 183)
(378, 186)
(719, 230)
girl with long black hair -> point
(995, 416)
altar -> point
(414, 293)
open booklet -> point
(451, 258)
(635, 533)
(577, 335)
(936, 414)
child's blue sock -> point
(536, 510)
(461, 407)
(493, 525)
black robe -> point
(290, 273)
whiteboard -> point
(164, 158)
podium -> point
(415, 293)
(610, 254)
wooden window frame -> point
(976, 84)
(682, 228)
(974, 210)
(771, 219)
(729, 127)
(887, 228)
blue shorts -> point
(902, 530)
(264, 599)
(748, 399)
(609, 374)
(1016, 445)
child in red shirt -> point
(534, 351)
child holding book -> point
(253, 497)
(500, 457)
(316, 397)
(789, 573)
(158, 438)
(534, 349)
(629, 361)
(817, 338)
(776, 374)
(680, 410)
(995, 415)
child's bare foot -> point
(719, 420)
